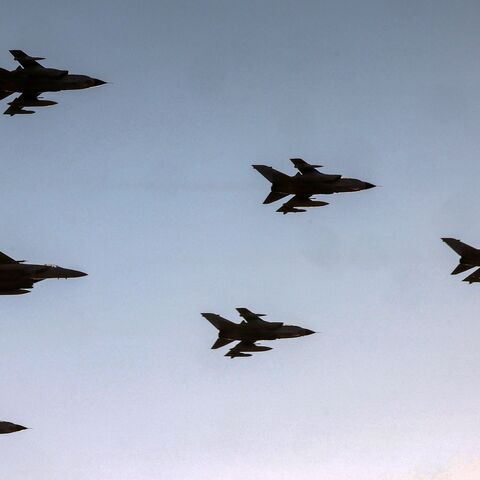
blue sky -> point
(147, 185)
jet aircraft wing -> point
(306, 169)
(254, 319)
(26, 61)
(473, 277)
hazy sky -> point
(147, 185)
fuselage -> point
(311, 185)
(23, 81)
(246, 332)
(11, 271)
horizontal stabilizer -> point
(461, 267)
(273, 197)
(221, 342)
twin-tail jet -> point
(469, 258)
(252, 329)
(17, 277)
(31, 79)
(7, 427)
(307, 182)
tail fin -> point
(461, 248)
(461, 267)
(270, 173)
(217, 321)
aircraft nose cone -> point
(308, 332)
(369, 185)
(76, 274)
(97, 82)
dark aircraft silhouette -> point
(31, 79)
(7, 427)
(16, 277)
(250, 330)
(469, 258)
(307, 182)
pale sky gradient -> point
(147, 185)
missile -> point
(253, 348)
(33, 103)
(286, 210)
(14, 292)
(237, 354)
(18, 112)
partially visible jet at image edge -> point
(7, 427)
(250, 330)
(469, 258)
(17, 277)
(31, 79)
(307, 182)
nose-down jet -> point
(307, 182)
(7, 427)
(469, 258)
(31, 79)
(17, 277)
(250, 330)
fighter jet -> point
(31, 79)
(307, 182)
(17, 277)
(7, 427)
(249, 331)
(469, 258)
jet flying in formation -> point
(469, 258)
(307, 182)
(17, 277)
(31, 79)
(250, 330)
(7, 427)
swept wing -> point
(307, 169)
(254, 319)
(26, 61)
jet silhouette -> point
(7, 427)
(249, 331)
(469, 258)
(17, 277)
(307, 182)
(32, 79)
